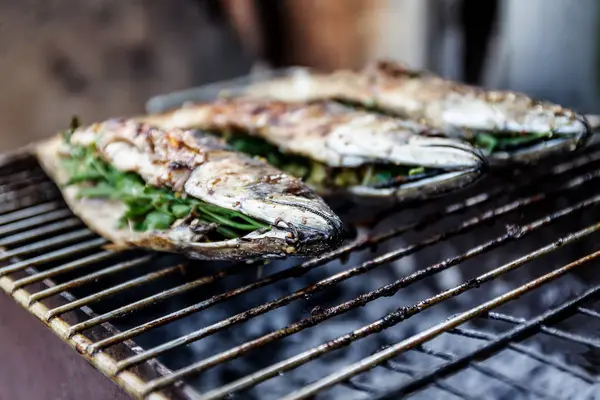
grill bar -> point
(523, 388)
(89, 278)
(70, 266)
(521, 349)
(140, 304)
(28, 216)
(46, 244)
(113, 290)
(589, 313)
(586, 341)
(361, 244)
(397, 367)
(416, 340)
(29, 212)
(389, 320)
(45, 230)
(55, 255)
(358, 245)
(26, 200)
(34, 221)
(33, 192)
(365, 267)
(304, 268)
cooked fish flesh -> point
(187, 192)
(508, 125)
(335, 148)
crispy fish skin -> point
(205, 168)
(338, 136)
(327, 132)
(452, 107)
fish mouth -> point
(472, 162)
(562, 140)
(310, 239)
(434, 181)
(429, 186)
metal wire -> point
(579, 339)
(384, 291)
(523, 350)
(93, 277)
(27, 215)
(527, 328)
(389, 320)
(359, 245)
(521, 387)
(397, 367)
(54, 255)
(39, 232)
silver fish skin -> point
(454, 108)
(204, 167)
(338, 136)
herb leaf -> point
(148, 207)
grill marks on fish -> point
(423, 96)
(328, 132)
(205, 167)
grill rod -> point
(87, 278)
(455, 208)
(365, 267)
(521, 387)
(389, 320)
(586, 341)
(416, 340)
(400, 368)
(304, 268)
(526, 351)
(45, 230)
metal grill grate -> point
(99, 301)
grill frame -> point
(115, 353)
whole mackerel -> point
(340, 137)
(456, 109)
(203, 167)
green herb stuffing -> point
(148, 207)
(316, 173)
(490, 142)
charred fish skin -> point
(454, 108)
(203, 167)
(337, 136)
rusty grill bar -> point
(47, 252)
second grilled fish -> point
(335, 148)
(507, 125)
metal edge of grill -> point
(98, 352)
(43, 204)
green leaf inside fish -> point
(148, 207)
(316, 173)
(491, 142)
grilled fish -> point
(335, 148)
(507, 125)
(187, 192)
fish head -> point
(300, 222)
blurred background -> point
(105, 58)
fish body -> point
(339, 137)
(454, 108)
(181, 167)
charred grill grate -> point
(58, 270)
(442, 299)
